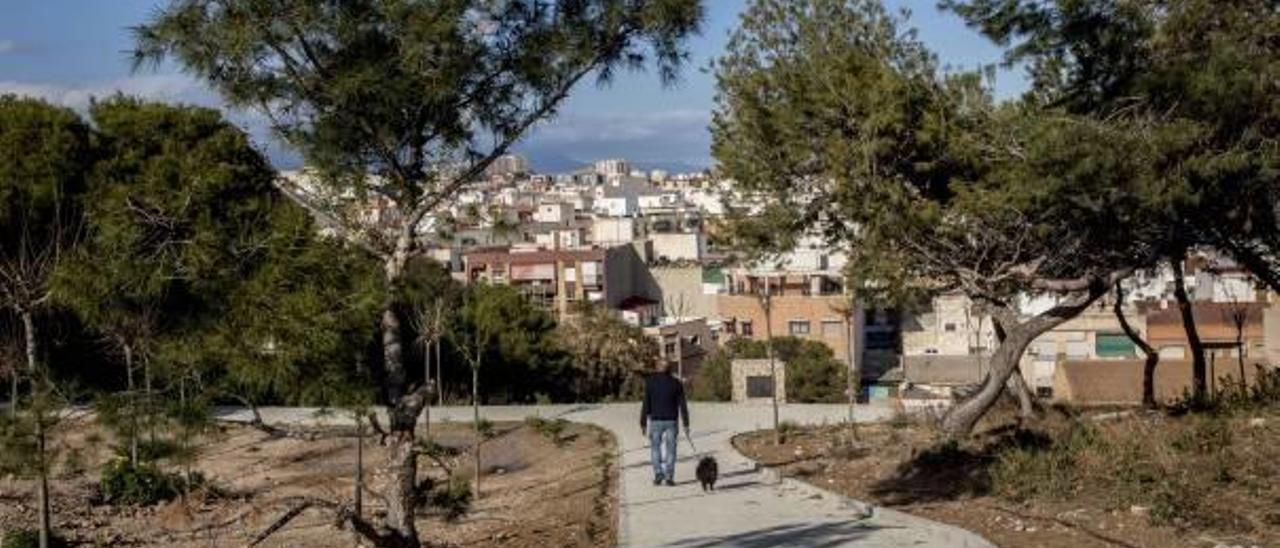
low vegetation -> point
(1072, 477)
(537, 491)
(813, 374)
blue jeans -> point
(662, 440)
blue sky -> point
(69, 50)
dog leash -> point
(689, 437)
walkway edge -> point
(960, 537)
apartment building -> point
(557, 279)
(805, 304)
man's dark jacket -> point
(663, 400)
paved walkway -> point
(749, 508)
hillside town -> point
(651, 248)
(640, 273)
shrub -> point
(553, 430)
(713, 381)
(123, 483)
(452, 497)
(28, 538)
(813, 373)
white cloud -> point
(159, 87)
(168, 88)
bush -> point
(813, 373)
(28, 538)
(713, 380)
(452, 497)
(123, 483)
(553, 430)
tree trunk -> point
(1152, 357)
(1240, 354)
(426, 380)
(13, 391)
(404, 410)
(1017, 386)
(963, 416)
(29, 331)
(402, 502)
(854, 381)
(146, 399)
(133, 412)
(42, 482)
(439, 377)
(1199, 370)
(475, 424)
(768, 349)
(359, 487)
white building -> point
(612, 167)
(554, 212)
(679, 246)
(609, 231)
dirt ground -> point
(888, 465)
(534, 492)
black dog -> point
(707, 473)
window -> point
(1114, 345)
(669, 349)
(798, 327)
(832, 328)
(746, 329)
(760, 387)
(949, 327)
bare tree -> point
(765, 296)
(473, 347)
(678, 307)
(1238, 313)
(428, 321)
(853, 375)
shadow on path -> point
(812, 535)
(699, 493)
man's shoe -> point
(669, 483)
(657, 480)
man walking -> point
(663, 404)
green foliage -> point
(511, 340)
(486, 429)
(604, 352)
(552, 429)
(419, 83)
(812, 372)
(1205, 67)
(189, 245)
(453, 497)
(788, 427)
(714, 380)
(144, 485)
(45, 157)
(28, 538)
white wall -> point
(679, 246)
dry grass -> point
(1134, 479)
(536, 492)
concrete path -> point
(750, 508)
